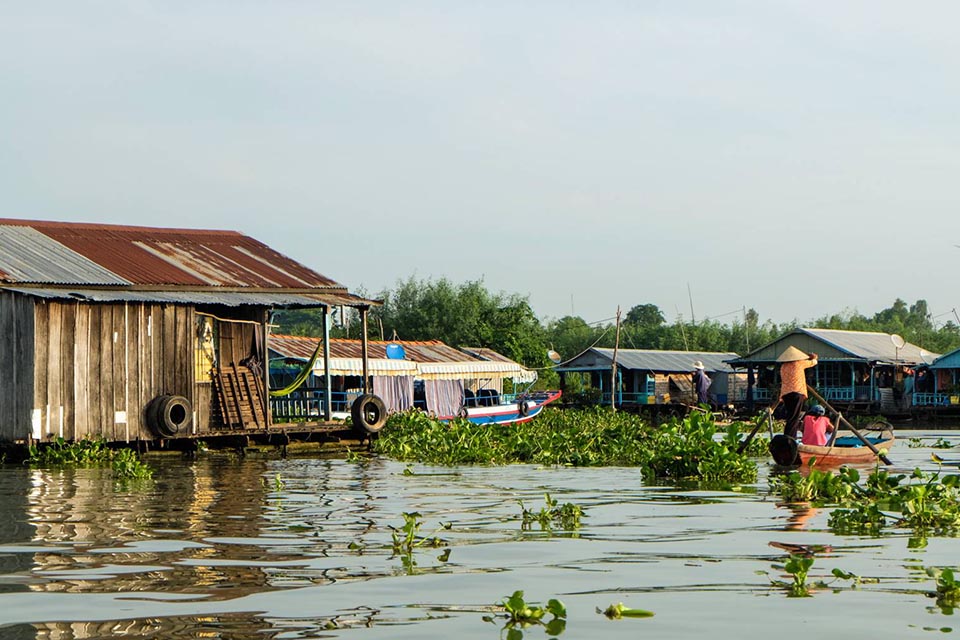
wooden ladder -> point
(240, 396)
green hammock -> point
(301, 377)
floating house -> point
(938, 385)
(135, 333)
(430, 375)
(649, 377)
(857, 370)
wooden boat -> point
(523, 409)
(845, 450)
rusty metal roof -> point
(114, 256)
(433, 359)
(418, 351)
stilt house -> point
(131, 333)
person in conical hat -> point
(701, 383)
(793, 385)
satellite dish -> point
(926, 356)
(897, 341)
(554, 356)
(395, 351)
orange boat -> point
(845, 450)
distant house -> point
(428, 374)
(857, 370)
(136, 333)
(647, 377)
(938, 385)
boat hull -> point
(837, 455)
(509, 413)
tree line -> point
(470, 315)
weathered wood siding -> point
(99, 365)
(16, 366)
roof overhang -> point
(234, 297)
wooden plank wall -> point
(98, 360)
(16, 366)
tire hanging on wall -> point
(167, 415)
(369, 414)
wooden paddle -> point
(769, 420)
(853, 429)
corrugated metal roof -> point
(258, 298)
(432, 359)
(483, 353)
(61, 253)
(864, 346)
(27, 255)
(661, 361)
(869, 345)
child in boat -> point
(816, 426)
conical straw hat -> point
(791, 354)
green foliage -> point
(594, 436)
(948, 589)
(926, 502)
(407, 537)
(566, 517)
(799, 567)
(62, 453)
(125, 463)
(816, 486)
(519, 613)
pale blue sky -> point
(800, 158)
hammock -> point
(301, 377)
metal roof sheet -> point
(258, 298)
(432, 359)
(869, 345)
(864, 346)
(95, 254)
(658, 360)
(27, 255)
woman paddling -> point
(793, 385)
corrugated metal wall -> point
(16, 365)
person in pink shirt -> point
(816, 426)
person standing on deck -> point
(701, 383)
(793, 385)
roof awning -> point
(375, 367)
(460, 370)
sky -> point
(799, 158)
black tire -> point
(523, 408)
(168, 415)
(368, 414)
(463, 413)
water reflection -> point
(269, 548)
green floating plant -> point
(617, 611)
(520, 614)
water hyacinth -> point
(680, 448)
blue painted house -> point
(651, 377)
(857, 371)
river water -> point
(261, 547)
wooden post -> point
(327, 391)
(613, 373)
(265, 398)
(364, 347)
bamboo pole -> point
(613, 372)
